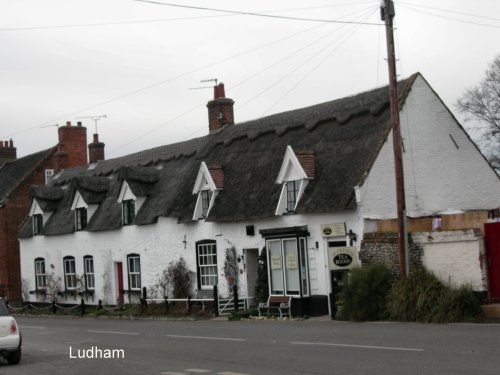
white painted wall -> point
(161, 243)
(438, 176)
(455, 257)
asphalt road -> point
(254, 347)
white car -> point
(10, 337)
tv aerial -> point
(205, 81)
(95, 119)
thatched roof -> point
(342, 137)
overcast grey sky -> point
(136, 61)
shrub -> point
(181, 278)
(421, 297)
(364, 294)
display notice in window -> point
(291, 261)
(275, 262)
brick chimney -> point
(72, 145)
(7, 150)
(96, 150)
(220, 110)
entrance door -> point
(251, 261)
(119, 283)
(492, 234)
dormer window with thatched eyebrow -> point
(37, 224)
(208, 184)
(80, 218)
(128, 212)
(296, 171)
(128, 201)
(37, 216)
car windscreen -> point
(3, 309)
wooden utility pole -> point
(388, 13)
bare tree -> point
(482, 102)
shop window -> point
(288, 268)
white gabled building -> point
(306, 185)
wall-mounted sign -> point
(275, 262)
(342, 258)
(333, 230)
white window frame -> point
(69, 265)
(88, 271)
(283, 201)
(79, 223)
(49, 176)
(37, 224)
(134, 271)
(128, 211)
(303, 267)
(40, 274)
(207, 268)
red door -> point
(492, 234)
(119, 276)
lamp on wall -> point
(184, 242)
(352, 237)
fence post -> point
(216, 301)
(189, 305)
(166, 304)
(235, 298)
(82, 304)
(54, 308)
(144, 303)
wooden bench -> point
(276, 304)
(202, 295)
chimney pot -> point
(68, 123)
(79, 123)
(11, 143)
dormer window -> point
(80, 218)
(295, 173)
(128, 211)
(37, 224)
(292, 194)
(206, 195)
(208, 183)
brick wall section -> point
(72, 152)
(306, 160)
(217, 174)
(383, 248)
(11, 217)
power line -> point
(258, 14)
(290, 72)
(346, 37)
(159, 83)
(449, 11)
(449, 18)
(363, 11)
(109, 23)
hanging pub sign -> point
(342, 258)
(333, 230)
